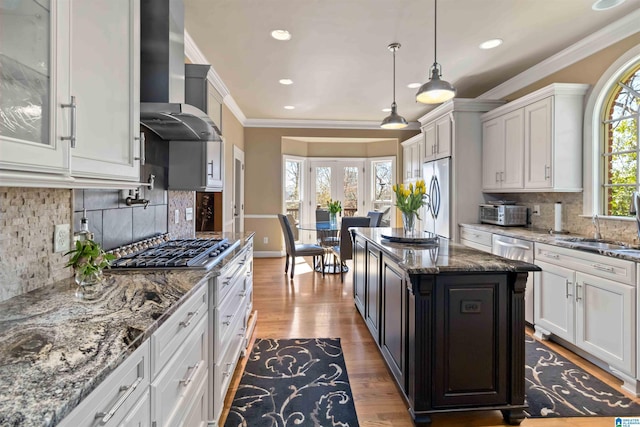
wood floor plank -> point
(310, 306)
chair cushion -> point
(309, 249)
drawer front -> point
(476, 236)
(223, 369)
(230, 273)
(196, 414)
(619, 270)
(228, 317)
(178, 380)
(166, 340)
(116, 397)
(474, 245)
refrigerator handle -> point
(434, 196)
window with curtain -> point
(620, 143)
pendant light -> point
(394, 120)
(435, 91)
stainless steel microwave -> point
(504, 215)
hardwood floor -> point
(312, 306)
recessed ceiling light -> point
(490, 44)
(286, 81)
(605, 4)
(281, 35)
(289, 107)
(414, 85)
(386, 110)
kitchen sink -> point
(592, 244)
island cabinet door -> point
(470, 345)
(359, 272)
(394, 315)
(372, 298)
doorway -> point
(337, 180)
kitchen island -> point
(448, 320)
(58, 353)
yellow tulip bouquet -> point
(410, 199)
(334, 206)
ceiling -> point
(338, 57)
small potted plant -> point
(88, 260)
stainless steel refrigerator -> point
(436, 214)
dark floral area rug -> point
(555, 387)
(294, 382)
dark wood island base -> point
(449, 322)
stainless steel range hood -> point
(162, 70)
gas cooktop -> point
(179, 253)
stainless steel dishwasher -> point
(521, 250)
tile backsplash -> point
(621, 230)
(27, 220)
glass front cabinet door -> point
(36, 110)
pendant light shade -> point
(435, 91)
(394, 120)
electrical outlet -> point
(61, 237)
(265, 240)
(188, 214)
(536, 210)
(176, 216)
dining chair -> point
(376, 218)
(322, 215)
(294, 227)
(344, 251)
(294, 250)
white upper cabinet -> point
(437, 143)
(33, 86)
(105, 70)
(503, 151)
(412, 158)
(70, 94)
(535, 142)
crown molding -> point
(586, 47)
(235, 109)
(321, 124)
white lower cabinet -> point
(139, 415)
(118, 396)
(589, 300)
(476, 239)
(175, 386)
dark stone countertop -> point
(56, 348)
(443, 257)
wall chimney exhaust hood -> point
(162, 81)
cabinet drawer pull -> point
(106, 416)
(242, 294)
(547, 172)
(551, 255)
(228, 321)
(210, 173)
(228, 371)
(190, 316)
(185, 381)
(497, 174)
(142, 157)
(566, 288)
(601, 267)
(72, 119)
(578, 297)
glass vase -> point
(409, 223)
(89, 285)
(333, 218)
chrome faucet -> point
(634, 208)
(596, 226)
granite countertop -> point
(571, 241)
(443, 257)
(56, 348)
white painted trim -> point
(260, 216)
(320, 124)
(591, 130)
(235, 109)
(458, 105)
(268, 254)
(586, 47)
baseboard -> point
(268, 254)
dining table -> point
(328, 233)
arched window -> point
(620, 143)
